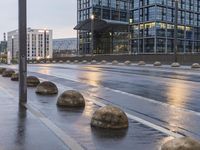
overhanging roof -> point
(102, 24)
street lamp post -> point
(92, 33)
(22, 51)
(12, 53)
(175, 32)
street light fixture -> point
(92, 17)
(175, 32)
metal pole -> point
(22, 52)
(92, 34)
(45, 45)
(12, 49)
(175, 31)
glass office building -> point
(107, 32)
(138, 26)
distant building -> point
(36, 47)
(3, 45)
(64, 47)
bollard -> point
(15, 77)
(184, 143)
(93, 62)
(157, 64)
(127, 62)
(109, 117)
(47, 88)
(32, 81)
(195, 66)
(8, 73)
(175, 64)
(71, 98)
(115, 62)
(141, 63)
(103, 62)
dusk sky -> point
(59, 15)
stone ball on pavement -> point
(8, 73)
(195, 66)
(84, 62)
(103, 62)
(32, 81)
(175, 64)
(141, 63)
(60, 61)
(68, 61)
(109, 117)
(115, 62)
(184, 143)
(47, 88)
(76, 61)
(2, 70)
(127, 62)
(157, 63)
(71, 98)
(15, 77)
(93, 62)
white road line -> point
(140, 120)
(67, 140)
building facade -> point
(150, 25)
(103, 26)
(39, 44)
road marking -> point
(130, 116)
(67, 140)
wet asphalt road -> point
(166, 97)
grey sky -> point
(59, 15)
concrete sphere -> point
(109, 117)
(48, 62)
(115, 62)
(68, 61)
(175, 64)
(141, 63)
(184, 143)
(32, 81)
(8, 73)
(42, 62)
(2, 70)
(53, 61)
(84, 62)
(47, 88)
(103, 62)
(76, 61)
(127, 62)
(93, 62)
(61, 61)
(195, 66)
(157, 63)
(15, 77)
(71, 99)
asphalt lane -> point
(167, 97)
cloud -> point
(59, 15)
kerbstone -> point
(71, 98)
(47, 88)
(184, 143)
(109, 117)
